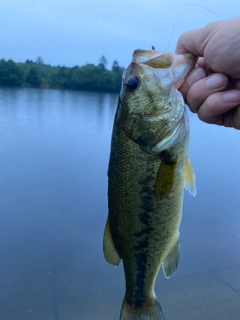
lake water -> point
(54, 149)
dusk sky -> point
(76, 32)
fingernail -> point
(216, 81)
(231, 96)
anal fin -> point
(172, 260)
(109, 250)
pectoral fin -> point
(109, 250)
(165, 179)
(171, 262)
(190, 179)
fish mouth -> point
(179, 65)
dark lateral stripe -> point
(141, 260)
(142, 240)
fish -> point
(148, 170)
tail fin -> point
(151, 311)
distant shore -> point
(89, 77)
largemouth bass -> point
(148, 169)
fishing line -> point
(184, 6)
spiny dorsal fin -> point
(190, 179)
(164, 179)
(171, 262)
(109, 250)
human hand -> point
(212, 90)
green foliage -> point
(10, 73)
(33, 77)
(37, 74)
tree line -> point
(39, 75)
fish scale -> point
(145, 185)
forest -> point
(39, 75)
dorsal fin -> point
(190, 179)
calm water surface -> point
(54, 149)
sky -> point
(76, 32)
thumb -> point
(191, 41)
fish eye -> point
(133, 83)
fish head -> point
(151, 109)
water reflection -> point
(54, 154)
